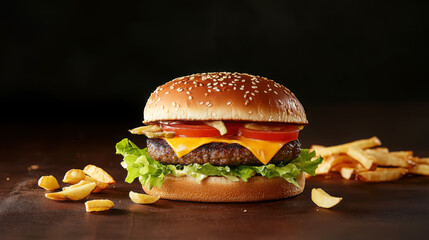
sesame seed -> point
(167, 92)
(179, 89)
(190, 97)
(247, 102)
(187, 92)
(250, 112)
(254, 86)
(172, 87)
(276, 93)
(280, 102)
(250, 98)
(201, 103)
(228, 103)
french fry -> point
(343, 148)
(98, 174)
(48, 182)
(100, 186)
(361, 157)
(402, 154)
(74, 176)
(348, 164)
(76, 193)
(323, 199)
(330, 161)
(420, 160)
(381, 149)
(143, 198)
(325, 166)
(98, 205)
(388, 159)
(421, 169)
(382, 174)
(347, 172)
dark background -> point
(99, 61)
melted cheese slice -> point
(263, 150)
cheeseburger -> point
(220, 137)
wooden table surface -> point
(395, 210)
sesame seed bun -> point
(220, 189)
(224, 96)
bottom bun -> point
(220, 189)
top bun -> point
(224, 96)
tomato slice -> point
(287, 132)
(199, 129)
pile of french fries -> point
(91, 179)
(365, 160)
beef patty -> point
(220, 154)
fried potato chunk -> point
(99, 174)
(75, 193)
(48, 182)
(74, 176)
(100, 186)
(323, 199)
(98, 205)
(140, 198)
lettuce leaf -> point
(151, 172)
